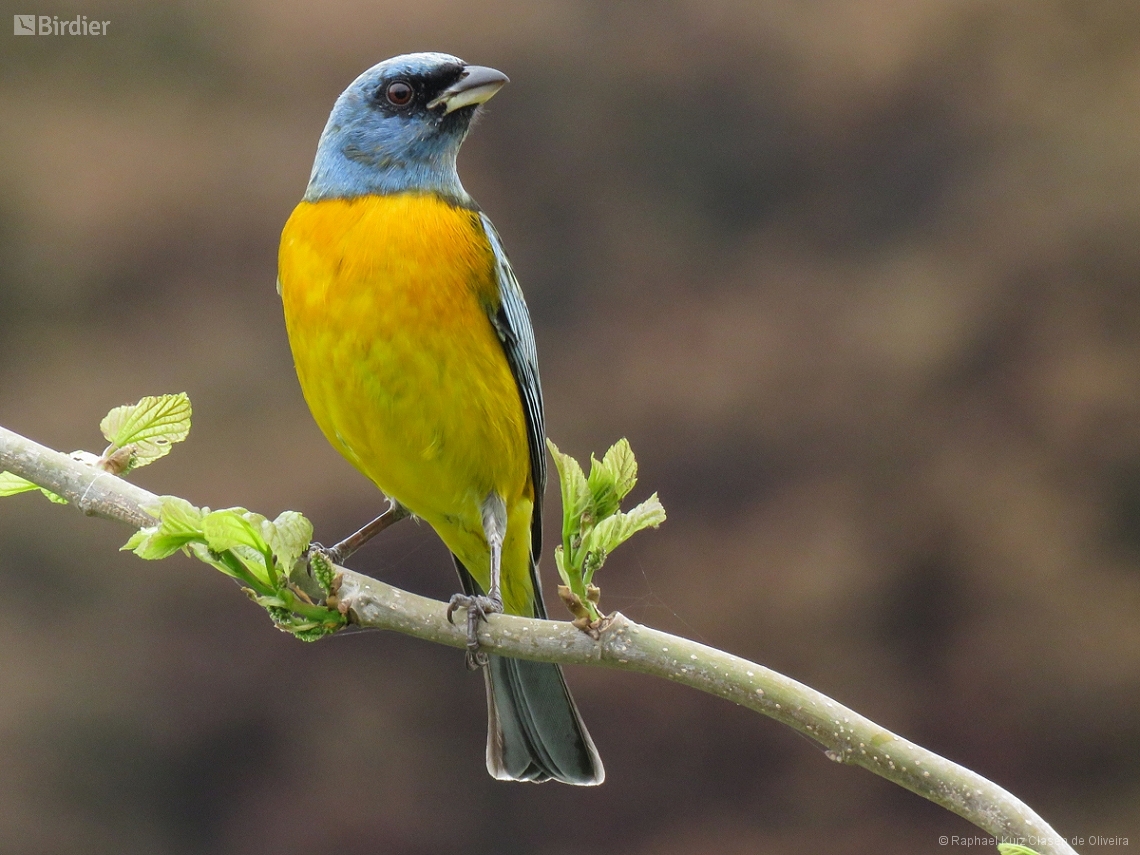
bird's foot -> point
(477, 608)
(339, 553)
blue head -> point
(399, 126)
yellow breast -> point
(386, 302)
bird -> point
(416, 355)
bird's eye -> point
(399, 94)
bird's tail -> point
(534, 731)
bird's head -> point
(399, 126)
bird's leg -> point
(340, 553)
(479, 606)
(495, 529)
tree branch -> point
(847, 736)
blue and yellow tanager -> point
(416, 355)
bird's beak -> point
(477, 85)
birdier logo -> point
(51, 25)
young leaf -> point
(288, 536)
(575, 493)
(603, 491)
(615, 530)
(228, 528)
(179, 524)
(238, 543)
(151, 427)
(10, 485)
(612, 478)
(199, 550)
(560, 563)
(621, 462)
(314, 631)
(647, 514)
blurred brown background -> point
(857, 279)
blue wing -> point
(512, 323)
(535, 731)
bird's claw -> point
(477, 608)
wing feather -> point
(512, 323)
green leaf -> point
(314, 631)
(560, 563)
(592, 522)
(615, 530)
(603, 491)
(239, 531)
(249, 548)
(576, 497)
(612, 478)
(230, 527)
(199, 550)
(179, 525)
(621, 462)
(647, 514)
(150, 427)
(11, 485)
(288, 536)
(1015, 849)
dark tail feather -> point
(534, 731)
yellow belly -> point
(386, 303)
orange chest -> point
(387, 302)
(386, 263)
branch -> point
(847, 736)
